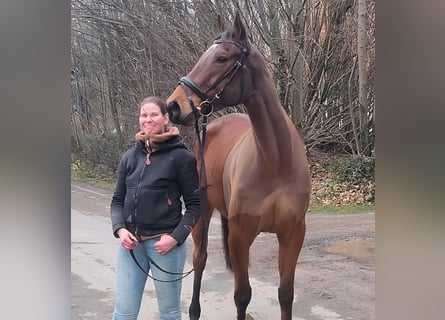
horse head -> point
(221, 77)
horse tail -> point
(225, 233)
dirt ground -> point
(336, 265)
(335, 269)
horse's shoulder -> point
(224, 132)
(238, 122)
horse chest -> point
(259, 196)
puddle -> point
(353, 248)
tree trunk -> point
(112, 92)
(295, 96)
(363, 76)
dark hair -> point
(157, 101)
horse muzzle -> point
(175, 114)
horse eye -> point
(221, 59)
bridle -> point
(205, 108)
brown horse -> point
(256, 166)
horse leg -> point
(200, 240)
(289, 250)
(242, 232)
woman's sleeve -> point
(117, 201)
(189, 185)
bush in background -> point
(341, 180)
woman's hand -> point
(165, 244)
(128, 240)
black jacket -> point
(146, 200)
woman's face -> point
(151, 120)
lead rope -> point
(202, 185)
(182, 274)
(203, 201)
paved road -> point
(93, 254)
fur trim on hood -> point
(153, 139)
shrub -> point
(101, 150)
(358, 172)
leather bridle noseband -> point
(205, 108)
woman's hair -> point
(157, 101)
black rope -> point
(182, 274)
(202, 184)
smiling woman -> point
(147, 215)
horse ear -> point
(221, 23)
(239, 31)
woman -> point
(146, 213)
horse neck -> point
(273, 132)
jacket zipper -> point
(136, 194)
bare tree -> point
(124, 50)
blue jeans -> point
(131, 281)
